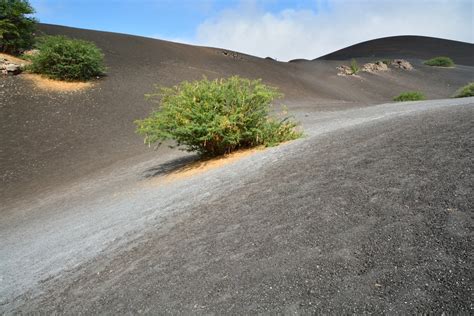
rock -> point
(9, 68)
(374, 67)
(402, 64)
(13, 68)
(232, 54)
(344, 70)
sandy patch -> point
(55, 85)
(204, 165)
(14, 59)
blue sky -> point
(171, 18)
(283, 29)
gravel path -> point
(372, 211)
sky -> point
(281, 29)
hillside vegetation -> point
(466, 91)
(16, 26)
(67, 59)
(441, 61)
(410, 96)
(216, 117)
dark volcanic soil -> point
(49, 139)
(371, 219)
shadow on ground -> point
(170, 166)
(191, 165)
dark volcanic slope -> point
(420, 47)
(49, 138)
(372, 219)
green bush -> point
(354, 66)
(68, 59)
(466, 91)
(440, 62)
(16, 29)
(409, 96)
(216, 117)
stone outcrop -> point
(375, 67)
(402, 64)
(9, 68)
(344, 70)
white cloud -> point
(290, 34)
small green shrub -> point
(440, 62)
(466, 91)
(16, 28)
(67, 59)
(216, 117)
(409, 96)
(387, 62)
(354, 66)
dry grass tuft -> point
(202, 166)
(56, 85)
(14, 59)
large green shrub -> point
(466, 91)
(440, 62)
(16, 28)
(68, 59)
(216, 117)
(409, 96)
